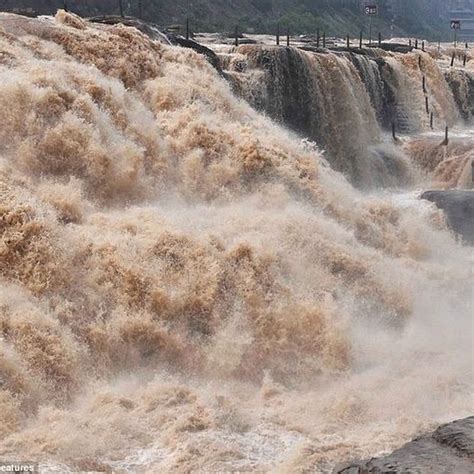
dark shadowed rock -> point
(449, 450)
(459, 208)
(199, 48)
(146, 28)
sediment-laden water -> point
(186, 285)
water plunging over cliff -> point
(186, 285)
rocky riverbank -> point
(449, 449)
(459, 208)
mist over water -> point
(187, 285)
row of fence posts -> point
(348, 41)
(464, 57)
(321, 39)
(318, 35)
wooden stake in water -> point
(288, 37)
(427, 105)
(431, 120)
(452, 59)
(236, 36)
(318, 38)
(324, 40)
(445, 142)
(278, 35)
(360, 40)
(394, 131)
(348, 39)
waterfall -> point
(343, 101)
(186, 285)
(461, 83)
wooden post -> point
(423, 83)
(431, 120)
(427, 105)
(278, 35)
(324, 39)
(409, 43)
(472, 173)
(121, 8)
(416, 43)
(445, 142)
(236, 36)
(348, 42)
(360, 40)
(380, 39)
(467, 45)
(288, 37)
(423, 46)
(318, 38)
(464, 59)
(419, 62)
(394, 131)
(187, 28)
(452, 59)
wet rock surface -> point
(449, 449)
(459, 208)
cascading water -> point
(185, 285)
(341, 101)
(462, 86)
(369, 72)
(318, 95)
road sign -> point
(455, 25)
(371, 10)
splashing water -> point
(185, 285)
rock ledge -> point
(449, 449)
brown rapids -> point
(186, 286)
